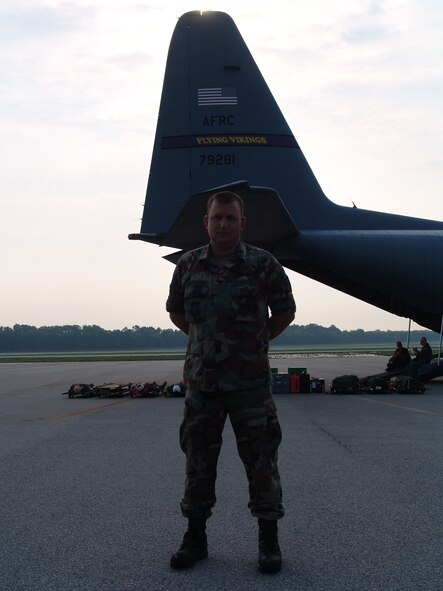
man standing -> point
(219, 296)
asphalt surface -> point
(89, 488)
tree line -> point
(22, 338)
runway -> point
(90, 487)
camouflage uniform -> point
(227, 371)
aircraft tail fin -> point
(218, 123)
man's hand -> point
(179, 321)
(277, 324)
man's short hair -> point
(226, 197)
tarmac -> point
(90, 488)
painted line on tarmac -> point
(419, 410)
(87, 410)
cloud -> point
(28, 22)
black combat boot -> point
(269, 556)
(194, 546)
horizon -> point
(417, 328)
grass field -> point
(151, 355)
(168, 354)
(90, 356)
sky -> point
(360, 83)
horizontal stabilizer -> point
(174, 257)
(268, 221)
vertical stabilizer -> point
(219, 123)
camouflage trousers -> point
(258, 434)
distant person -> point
(220, 296)
(401, 358)
(422, 356)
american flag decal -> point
(226, 95)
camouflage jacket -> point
(227, 310)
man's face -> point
(224, 224)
